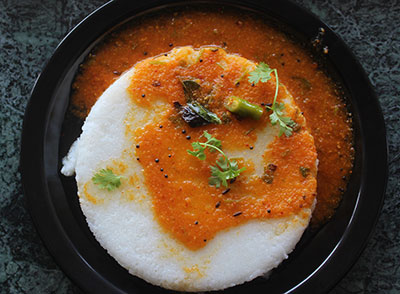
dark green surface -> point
(31, 29)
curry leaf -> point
(192, 91)
(204, 113)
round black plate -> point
(319, 261)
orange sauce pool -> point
(314, 92)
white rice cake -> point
(123, 220)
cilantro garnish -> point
(263, 73)
(199, 148)
(286, 124)
(224, 169)
(106, 179)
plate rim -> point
(34, 188)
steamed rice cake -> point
(165, 223)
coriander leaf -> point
(212, 144)
(234, 170)
(274, 118)
(199, 148)
(198, 151)
(222, 163)
(286, 124)
(224, 169)
(261, 73)
(212, 141)
(227, 170)
(207, 135)
(217, 177)
(279, 107)
(106, 179)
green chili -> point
(243, 107)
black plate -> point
(319, 261)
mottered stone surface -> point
(30, 31)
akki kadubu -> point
(211, 141)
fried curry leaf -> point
(105, 179)
(192, 118)
(204, 113)
(224, 169)
(263, 73)
(192, 91)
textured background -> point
(31, 29)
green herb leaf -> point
(192, 91)
(286, 124)
(212, 141)
(224, 169)
(222, 162)
(198, 151)
(190, 88)
(106, 179)
(261, 73)
(204, 113)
